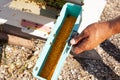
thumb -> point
(78, 38)
(81, 46)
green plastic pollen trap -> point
(69, 9)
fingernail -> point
(72, 41)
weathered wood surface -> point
(15, 40)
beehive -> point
(57, 48)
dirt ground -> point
(17, 62)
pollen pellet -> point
(57, 48)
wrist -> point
(115, 25)
(108, 32)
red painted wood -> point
(35, 26)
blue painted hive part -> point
(69, 10)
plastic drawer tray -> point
(69, 9)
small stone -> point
(12, 66)
(36, 52)
(30, 65)
(60, 77)
(79, 77)
(72, 71)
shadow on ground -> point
(2, 45)
(95, 65)
(111, 49)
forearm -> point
(115, 25)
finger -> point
(77, 51)
(81, 46)
(72, 41)
(78, 38)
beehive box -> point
(57, 47)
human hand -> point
(92, 36)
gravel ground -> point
(105, 68)
(17, 62)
